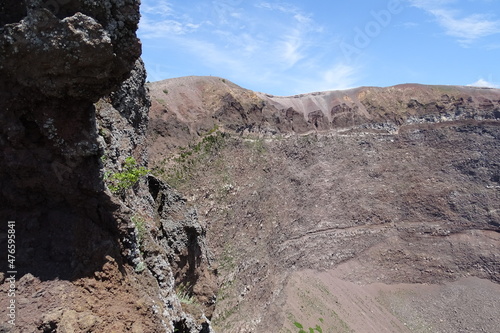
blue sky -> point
(290, 47)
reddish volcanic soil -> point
(374, 209)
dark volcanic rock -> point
(55, 62)
(53, 67)
(72, 102)
(69, 49)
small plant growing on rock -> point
(117, 182)
(311, 330)
(184, 295)
(141, 266)
(191, 157)
(140, 226)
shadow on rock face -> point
(52, 188)
(60, 242)
(56, 59)
(16, 11)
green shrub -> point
(192, 157)
(117, 182)
(311, 330)
(212, 130)
(141, 266)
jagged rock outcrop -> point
(186, 107)
(68, 48)
(73, 108)
(164, 239)
(55, 62)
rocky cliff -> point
(312, 210)
(73, 115)
(324, 208)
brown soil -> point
(107, 302)
(385, 199)
(337, 305)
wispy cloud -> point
(467, 28)
(336, 76)
(282, 7)
(162, 8)
(156, 29)
(294, 34)
(269, 43)
(291, 49)
(159, 19)
(340, 76)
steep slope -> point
(97, 247)
(324, 208)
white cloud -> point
(301, 18)
(156, 29)
(282, 7)
(466, 28)
(294, 31)
(227, 12)
(162, 8)
(483, 83)
(338, 76)
(159, 19)
(290, 49)
(273, 44)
